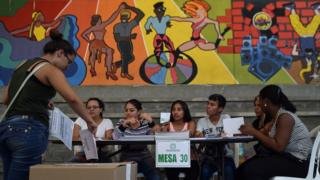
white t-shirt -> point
(105, 125)
(205, 126)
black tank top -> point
(34, 97)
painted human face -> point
(124, 18)
(201, 12)
(177, 112)
(131, 111)
(213, 108)
(160, 11)
(40, 18)
(93, 108)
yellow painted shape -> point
(211, 69)
(168, 77)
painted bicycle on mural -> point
(173, 66)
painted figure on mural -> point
(123, 36)
(308, 50)
(38, 29)
(198, 12)
(97, 45)
(159, 23)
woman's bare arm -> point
(76, 132)
(6, 96)
(108, 134)
(277, 143)
(53, 76)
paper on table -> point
(164, 117)
(61, 127)
(89, 144)
(231, 125)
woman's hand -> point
(51, 105)
(247, 129)
(146, 116)
(92, 126)
(130, 122)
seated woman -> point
(136, 123)
(287, 140)
(95, 107)
(180, 120)
(259, 122)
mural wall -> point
(140, 42)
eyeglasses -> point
(93, 107)
(69, 60)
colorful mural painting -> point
(141, 42)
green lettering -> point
(161, 157)
(174, 158)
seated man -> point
(212, 125)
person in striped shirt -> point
(137, 123)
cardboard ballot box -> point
(84, 171)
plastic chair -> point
(314, 132)
(313, 171)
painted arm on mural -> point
(216, 26)
(51, 25)
(147, 25)
(114, 15)
(295, 51)
(137, 19)
(138, 12)
(182, 19)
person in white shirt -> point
(212, 125)
(95, 107)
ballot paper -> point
(231, 125)
(164, 117)
(61, 127)
(89, 144)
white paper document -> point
(164, 117)
(61, 127)
(231, 125)
(89, 144)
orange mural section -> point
(99, 7)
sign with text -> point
(173, 149)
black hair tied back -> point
(56, 35)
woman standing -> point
(287, 139)
(95, 108)
(137, 123)
(180, 120)
(24, 131)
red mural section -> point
(243, 26)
